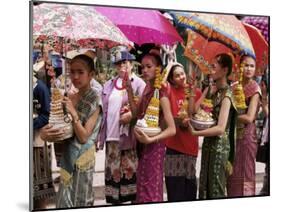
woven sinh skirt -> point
(150, 173)
(180, 176)
(43, 187)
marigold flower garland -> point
(239, 96)
(204, 113)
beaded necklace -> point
(119, 88)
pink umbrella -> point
(142, 26)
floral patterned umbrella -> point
(60, 44)
(226, 29)
(81, 25)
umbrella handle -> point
(67, 117)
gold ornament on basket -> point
(57, 118)
(152, 112)
(205, 111)
(239, 96)
(150, 123)
(183, 112)
(239, 99)
(159, 78)
(188, 92)
(203, 119)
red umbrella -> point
(142, 26)
(260, 46)
(261, 22)
(201, 52)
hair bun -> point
(155, 51)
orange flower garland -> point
(239, 96)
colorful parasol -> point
(226, 29)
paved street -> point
(98, 182)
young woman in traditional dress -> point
(243, 180)
(152, 149)
(218, 139)
(182, 148)
(78, 157)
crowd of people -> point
(138, 165)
